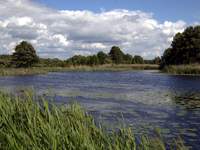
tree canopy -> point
(138, 60)
(116, 55)
(185, 48)
(103, 57)
(24, 55)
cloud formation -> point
(63, 33)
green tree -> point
(185, 48)
(138, 59)
(93, 60)
(24, 55)
(78, 60)
(157, 60)
(128, 59)
(5, 60)
(102, 57)
(116, 55)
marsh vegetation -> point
(30, 124)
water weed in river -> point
(29, 124)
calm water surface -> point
(143, 99)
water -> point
(140, 99)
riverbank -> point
(45, 70)
(27, 124)
(193, 69)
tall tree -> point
(24, 55)
(138, 59)
(185, 48)
(128, 59)
(102, 57)
(157, 60)
(116, 55)
(93, 60)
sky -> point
(188, 10)
(63, 28)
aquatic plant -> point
(182, 69)
(29, 124)
(44, 70)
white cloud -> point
(64, 33)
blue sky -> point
(173, 10)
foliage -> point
(137, 60)
(93, 60)
(24, 55)
(192, 69)
(116, 55)
(27, 124)
(185, 48)
(51, 62)
(103, 58)
(5, 61)
(128, 59)
(157, 60)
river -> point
(143, 100)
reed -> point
(45, 70)
(193, 69)
(29, 124)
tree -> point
(138, 59)
(116, 55)
(78, 60)
(185, 48)
(5, 60)
(128, 59)
(24, 55)
(102, 57)
(156, 60)
(93, 60)
(167, 58)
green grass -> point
(44, 70)
(193, 69)
(27, 124)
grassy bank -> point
(26, 124)
(44, 70)
(193, 69)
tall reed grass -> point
(44, 70)
(193, 69)
(29, 124)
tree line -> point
(184, 49)
(25, 56)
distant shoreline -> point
(187, 70)
(45, 70)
